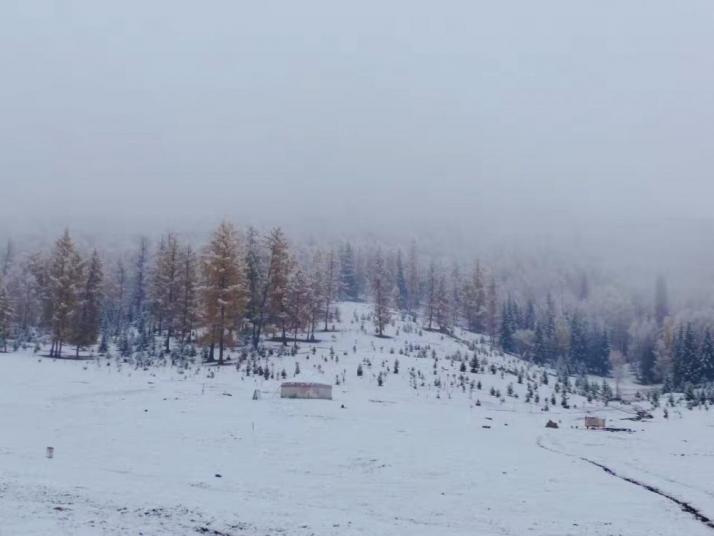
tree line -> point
(244, 287)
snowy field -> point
(158, 452)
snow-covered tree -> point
(442, 305)
(492, 309)
(165, 288)
(298, 302)
(88, 319)
(661, 300)
(330, 285)
(280, 269)
(64, 282)
(349, 285)
(413, 280)
(431, 296)
(381, 294)
(223, 290)
(8, 258)
(258, 284)
(188, 293)
(5, 315)
(474, 301)
(707, 358)
(140, 282)
(402, 289)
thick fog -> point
(585, 126)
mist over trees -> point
(244, 286)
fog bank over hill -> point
(475, 129)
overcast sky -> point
(512, 117)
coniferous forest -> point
(173, 298)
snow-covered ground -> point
(158, 452)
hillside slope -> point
(165, 451)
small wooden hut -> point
(594, 423)
(307, 390)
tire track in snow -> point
(685, 506)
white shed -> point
(306, 390)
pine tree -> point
(89, 315)
(550, 334)
(116, 295)
(381, 294)
(223, 291)
(480, 312)
(508, 327)
(188, 293)
(298, 302)
(707, 358)
(7, 259)
(258, 279)
(646, 367)
(474, 301)
(348, 276)
(64, 280)
(330, 285)
(442, 312)
(661, 301)
(599, 358)
(165, 289)
(5, 315)
(402, 290)
(492, 309)
(432, 281)
(413, 281)
(35, 301)
(540, 349)
(456, 286)
(140, 282)
(529, 318)
(280, 269)
(578, 340)
(687, 365)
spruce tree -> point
(550, 335)
(381, 294)
(188, 293)
(88, 319)
(5, 316)
(7, 259)
(647, 363)
(140, 283)
(578, 340)
(687, 365)
(661, 301)
(64, 280)
(492, 309)
(508, 327)
(280, 270)
(413, 281)
(331, 285)
(442, 310)
(707, 358)
(431, 295)
(540, 350)
(348, 276)
(166, 291)
(298, 302)
(402, 291)
(257, 280)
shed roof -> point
(305, 384)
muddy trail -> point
(685, 506)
